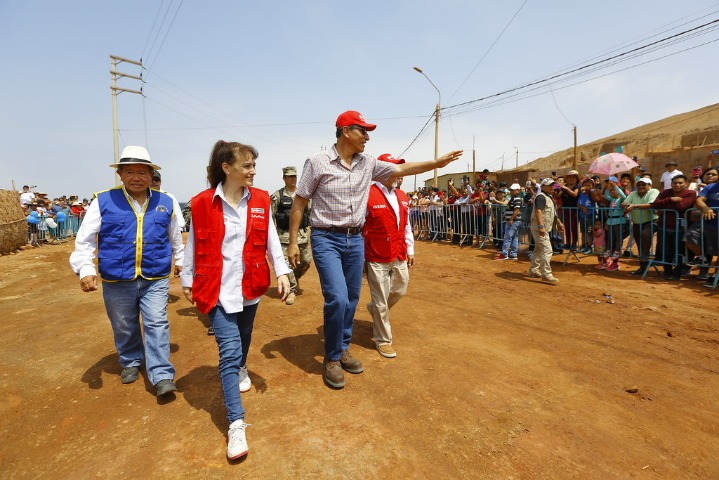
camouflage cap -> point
(289, 171)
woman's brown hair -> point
(229, 153)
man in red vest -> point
(389, 254)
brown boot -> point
(350, 363)
(333, 374)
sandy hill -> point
(688, 138)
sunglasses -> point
(362, 130)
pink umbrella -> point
(611, 164)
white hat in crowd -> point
(514, 186)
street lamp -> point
(436, 120)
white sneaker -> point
(245, 382)
(236, 440)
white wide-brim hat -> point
(135, 155)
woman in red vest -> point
(226, 273)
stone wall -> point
(13, 226)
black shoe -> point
(164, 387)
(627, 254)
(639, 271)
(130, 374)
(210, 331)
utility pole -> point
(516, 161)
(502, 161)
(436, 120)
(115, 90)
(436, 140)
(574, 163)
(474, 163)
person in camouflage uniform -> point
(281, 202)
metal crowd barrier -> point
(708, 245)
(657, 247)
(41, 233)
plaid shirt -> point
(339, 194)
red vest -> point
(383, 241)
(208, 225)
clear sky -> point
(275, 74)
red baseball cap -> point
(387, 157)
(350, 117)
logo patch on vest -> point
(257, 210)
(379, 206)
(161, 208)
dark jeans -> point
(571, 227)
(643, 236)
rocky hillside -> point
(687, 138)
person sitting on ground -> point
(643, 221)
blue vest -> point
(132, 245)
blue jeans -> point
(124, 302)
(338, 259)
(510, 244)
(233, 334)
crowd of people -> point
(50, 220)
(672, 225)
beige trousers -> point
(387, 284)
(542, 255)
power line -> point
(172, 22)
(152, 29)
(583, 67)
(489, 49)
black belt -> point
(342, 230)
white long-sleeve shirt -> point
(233, 266)
(394, 203)
(82, 260)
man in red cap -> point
(338, 182)
(389, 254)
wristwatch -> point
(540, 226)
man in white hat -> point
(136, 233)
(543, 220)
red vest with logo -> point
(383, 240)
(208, 224)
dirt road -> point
(497, 376)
